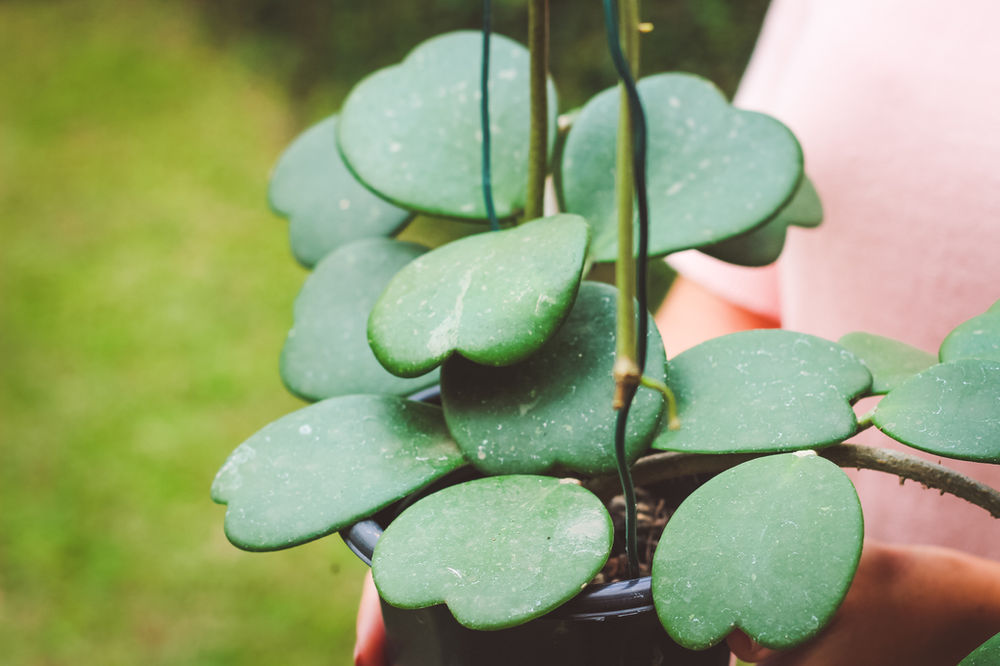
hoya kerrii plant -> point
(556, 389)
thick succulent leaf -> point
(890, 361)
(326, 352)
(326, 205)
(951, 409)
(763, 245)
(766, 390)
(412, 132)
(977, 338)
(714, 171)
(328, 465)
(987, 654)
(769, 546)
(495, 298)
(555, 406)
(498, 551)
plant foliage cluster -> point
(525, 350)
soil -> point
(652, 515)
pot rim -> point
(597, 601)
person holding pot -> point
(894, 102)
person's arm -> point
(692, 314)
(917, 606)
(912, 605)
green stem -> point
(671, 465)
(865, 420)
(627, 371)
(628, 362)
(538, 141)
(673, 423)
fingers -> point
(369, 648)
(746, 649)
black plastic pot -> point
(613, 624)
(605, 625)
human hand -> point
(369, 648)
(913, 605)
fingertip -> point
(747, 649)
(369, 646)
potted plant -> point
(555, 395)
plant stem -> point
(484, 111)
(672, 465)
(630, 352)
(673, 423)
(626, 370)
(865, 420)
(538, 141)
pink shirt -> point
(897, 106)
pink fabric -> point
(895, 103)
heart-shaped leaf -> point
(326, 205)
(714, 172)
(891, 362)
(769, 546)
(327, 352)
(498, 551)
(763, 245)
(977, 338)
(495, 298)
(555, 406)
(952, 409)
(412, 132)
(328, 465)
(987, 654)
(766, 390)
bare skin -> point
(913, 605)
(369, 648)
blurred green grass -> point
(144, 295)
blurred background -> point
(145, 292)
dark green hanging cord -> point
(638, 119)
(491, 212)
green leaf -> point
(328, 465)
(714, 172)
(498, 551)
(495, 298)
(977, 338)
(327, 207)
(555, 406)
(766, 390)
(326, 352)
(412, 132)
(763, 245)
(952, 409)
(769, 546)
(891, 362)
(987, 654)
